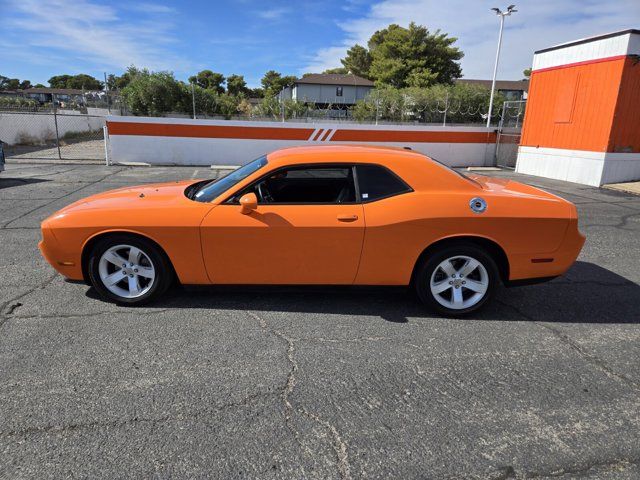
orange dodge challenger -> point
(332, 215)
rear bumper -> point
(540, 267)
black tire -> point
(164, 274)
(429, 265)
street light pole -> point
(510, 9)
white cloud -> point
(94, 34)
(273, 13)
(537, 24)
(151, 8)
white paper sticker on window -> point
(365, 195)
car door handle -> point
(347, 218)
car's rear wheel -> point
(457, 280)
(129, 270)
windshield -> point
(215, 188)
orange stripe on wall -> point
(271, 133)
(412, 136)
(208, 131)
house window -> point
(338, 91)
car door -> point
(308, 229)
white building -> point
(325, 89)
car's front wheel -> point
(457, 280)
(129, 270)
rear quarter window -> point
(377, 182)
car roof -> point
(416, 169)
(348, 153)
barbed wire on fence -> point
(65, 134)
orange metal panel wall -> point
(625, 135)
(572, 107)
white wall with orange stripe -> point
(176, 141)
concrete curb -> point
(46, 161)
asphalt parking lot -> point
(313, 382)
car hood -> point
(139, 196)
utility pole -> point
(510, 9)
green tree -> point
(25, 84)
(227, 105)
(256, 93)
(527, 72)
(269, 107)
(273, 83)
(357, 61)
(209, 80)
(155, 93)
(406, 57)
(59, 81)
(236, 86)
(7, 83)
(84, 81)
(80, 81)
(245, 108)
(115, 82)
(339, 70)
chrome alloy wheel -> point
(459, 282)
(126, 271)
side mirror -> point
(248, 202)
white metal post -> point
(105, 132)
(106, 88)
(495, 70)
(377, 109)
(193, 100)
(446, 107)
(281, 96)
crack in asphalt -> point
(575, 346)
(202, 414)
(38, 175)
(6, 311)
(87, 185)
(620, 225)
(580, 470)
(338, 444)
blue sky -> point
(42, 38)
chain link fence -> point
(61, 136)
(509, 133)
(69, 134)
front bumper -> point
(66, 263)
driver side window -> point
(307, 185)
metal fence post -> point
(55, 121)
